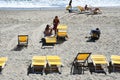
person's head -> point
(56, 17)
(86, 5)
(97, 28)
(47, 27)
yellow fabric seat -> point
(50, 39)
(115, 59)
(38, 63)
(62, 34)
(62, 27)
(3, 61)
(23, 38)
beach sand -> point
(33, 23)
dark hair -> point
(47, 27)
(97, 28)
(56, 16)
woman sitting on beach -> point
(48, 31)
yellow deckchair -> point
(81, 60)
(50, 39)
(115, 60)
(38, 63)
(99, 62)
(54, 63)
(23, 40)
(62, 30)
(81, 8)
(3, 61)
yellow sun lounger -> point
(81, 8)
(81, 60)
(23, 40)
(54, 63)
(115, 60)
(99, 61)
(62, 30)
(50, 39)
(38, 63)
(3, 61)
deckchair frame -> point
(81, 62)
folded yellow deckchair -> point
(23, 40)
(3, 61)
(54, 63)
(99, 61)
(81, 60)
(115, 60)
(38, 63)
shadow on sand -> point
(51, 45)
(18, 48)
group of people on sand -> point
(95, 34)
(85, 8)
(48, 30)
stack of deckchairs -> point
(39, 63)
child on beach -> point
(55, 24)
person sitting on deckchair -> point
(95, 34)
(48, 31)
